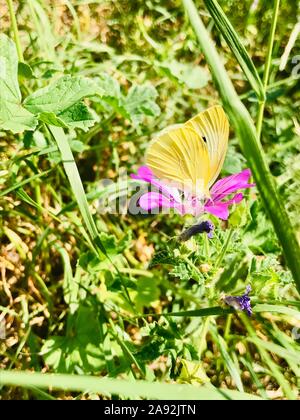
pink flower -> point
(185, 203)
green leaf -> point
(80, 349)
(60, 95)
(181, 271)
(147, 292)
(51, 119)
(24, 70)
(203, 312)
(140, 102)
(112, 245)
(76, 184)
(78, 146)
(234, 161)
(79, 116)
(194, 77)
(111, 90)
(70, 287)
(163, 257)
(12, 114)
(239, 215)
(235, 44)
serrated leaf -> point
(182, 272)
(194, 77)
(112, 245)
(140, 102)
(60, 95)
(12, 114)
(51, 119)
(79, 116)
(234, 161)
(111, 90)
(239, 216)
(163, 257)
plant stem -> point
(266, 75)
(224, 249)
(206, 247)
(15, 29)
(126, 350)
(203, 342)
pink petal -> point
(145, 174)
(220, 209)
(231, 184)
(153, 200)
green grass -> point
(113, 305)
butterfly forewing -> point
(181, 156)
(212, 125)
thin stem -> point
(224, 249)
(126, 350)
(206, 247)
(266, 75)
(15, 29)
(228, 326)
(192, 265)
(203, 342)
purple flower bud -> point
(204, 227)
(241, 303)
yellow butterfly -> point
(191, 155)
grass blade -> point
(24, 182)
(268, 63)
(266, 358)
(195, 313)
(228, 362)
(70, 286)
(235, 44)
(128, 389)
(293, 356)
(280, 309)
(76, 183)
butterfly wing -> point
(212, 125)
(181, 156)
